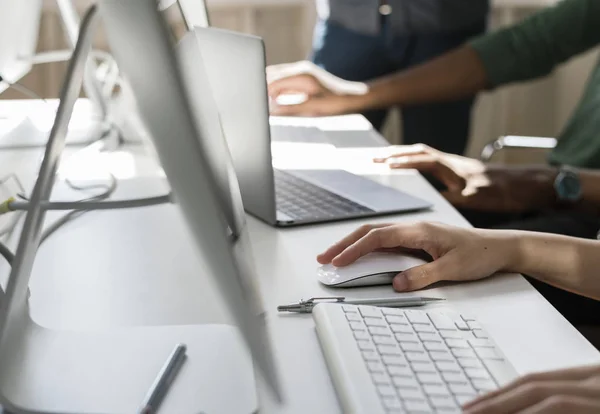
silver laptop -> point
(235, 64)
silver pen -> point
(306, 306)
(163, 381)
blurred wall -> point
(537, 108)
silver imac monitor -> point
(19, 28)
(180, 115)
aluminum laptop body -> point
(235, 65)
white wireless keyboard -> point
(385, 360)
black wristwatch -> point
(567, 185)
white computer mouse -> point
(372, 269)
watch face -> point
(570, 187)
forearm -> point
(455, 75)
(565, 262)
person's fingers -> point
(571, 374)
(432, 165)
(530, 394)
(379, 238)
(328, 255)
(405, 150)
(420, 277)
(560, 404)
(306, 84)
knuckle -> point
(365, 228)
(534, 389)
(559, 403)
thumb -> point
(420, 277)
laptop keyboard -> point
(303, 201)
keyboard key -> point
(370, 356)
(400, 371)
(380, 378)
(441, 356)
(475, 373)
(379, 330)
(436, 389)
(401, 320)
(484, 385)
(451, 334)
(386, 390)
(462, 399)
(442, 401)
(405, 382)
(370, 311)
(365, 345)
(417, 317)
(358, 326)
(430, 337)
(429, 378)
(461, 389)
(423, 367)
(442, 322)
(384, 340)
(498, 371)
(393, 311)
(411, 394)
(469, 362)
(474, 325)
(488, 353)
(462, 325)
(401, 328)
(459, 352)
(434, 346)
(455, 378)
(392, 403)
(407, 337)
(362, 335)
(353, 317)
(411, 346)
(448, 366)
(481, 343)
(394, 360)
(374, 321)
(375, 366)
(480, 333)
(457, 343)
(420, 407)
(389, 350)
(349, 308)
(424, 328)
(417, 356)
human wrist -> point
(508, 247)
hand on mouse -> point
(458, 254)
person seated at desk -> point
(362, 40)
(470, 254)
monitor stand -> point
(111, 371)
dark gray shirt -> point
(408, 16)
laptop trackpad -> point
(361, 190)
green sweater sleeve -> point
(534, 47)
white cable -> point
(94, 205)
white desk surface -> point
(136, 267)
